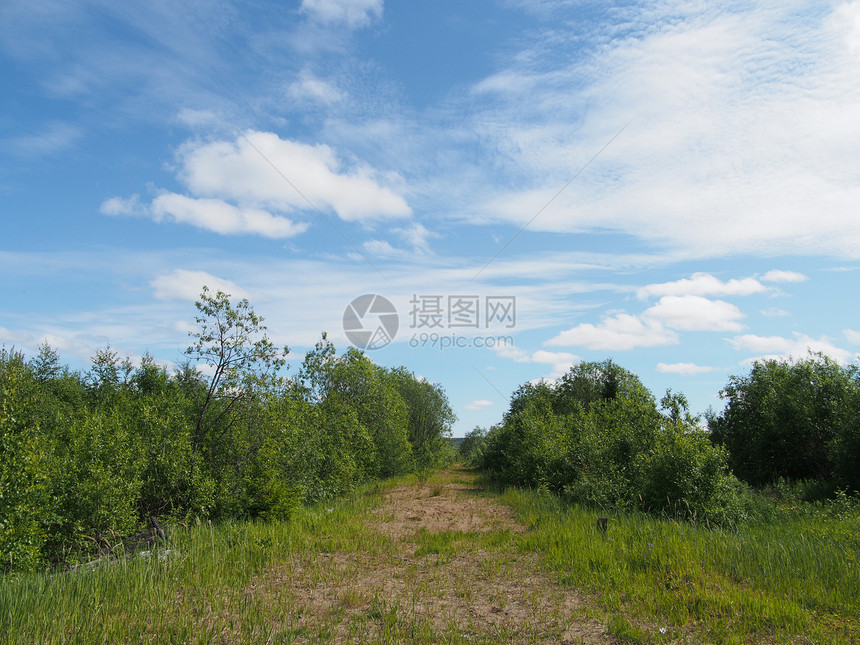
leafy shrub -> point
(792, 419)
(598, 437)
(86, 459)
(24, 468)
(473, 445)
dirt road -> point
(439, 563)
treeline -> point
(599, 437)
(86, 458)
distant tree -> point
(429, 415)
(46, 364)
(472, 446)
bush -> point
(598, 437)
(792, 419)
(472, 447)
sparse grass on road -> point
(411, 561)
(440, 559)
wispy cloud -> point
(705, 166)
(795, 347)
(187, 285)
(479, 404)
(52, 138)
(684, 369)
(353, 13)
(560, 362)
(783, 276)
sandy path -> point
(441, 564)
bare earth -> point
(440, 564)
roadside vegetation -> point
(747, 529)
(87, 460)
(227, 502)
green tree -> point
(244, 365)
(472, 446)
(25, 500)
(430, 416)
(791, 419)
(597, 437)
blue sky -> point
(673, 185)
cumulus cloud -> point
(684, 369)
(187, 285)
(702, 284)
(260, 169)
(619, 332)
(694, 313)
(353, 13)
(209, 214)
(220, 217)
(245, 186)
(130, 206)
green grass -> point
(326, 576)
(202, 590)
(791, 579)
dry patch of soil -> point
(440, 564)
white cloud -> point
(310, 88)
(383, 249)
(187, 285)
(773, 312)
(416, 237)
(354, 13)
(852, 336)
(796, 347)
(619, 332)
(684, 369)
(783, 276)
(198, 118)
(561, 362)
(480, 404)
(235, 184)
(10, 338)
(702, 284)
(262, 170)
(704, 167)
(128, 207)
(219, 216)
(53, 138)
(694, 313)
